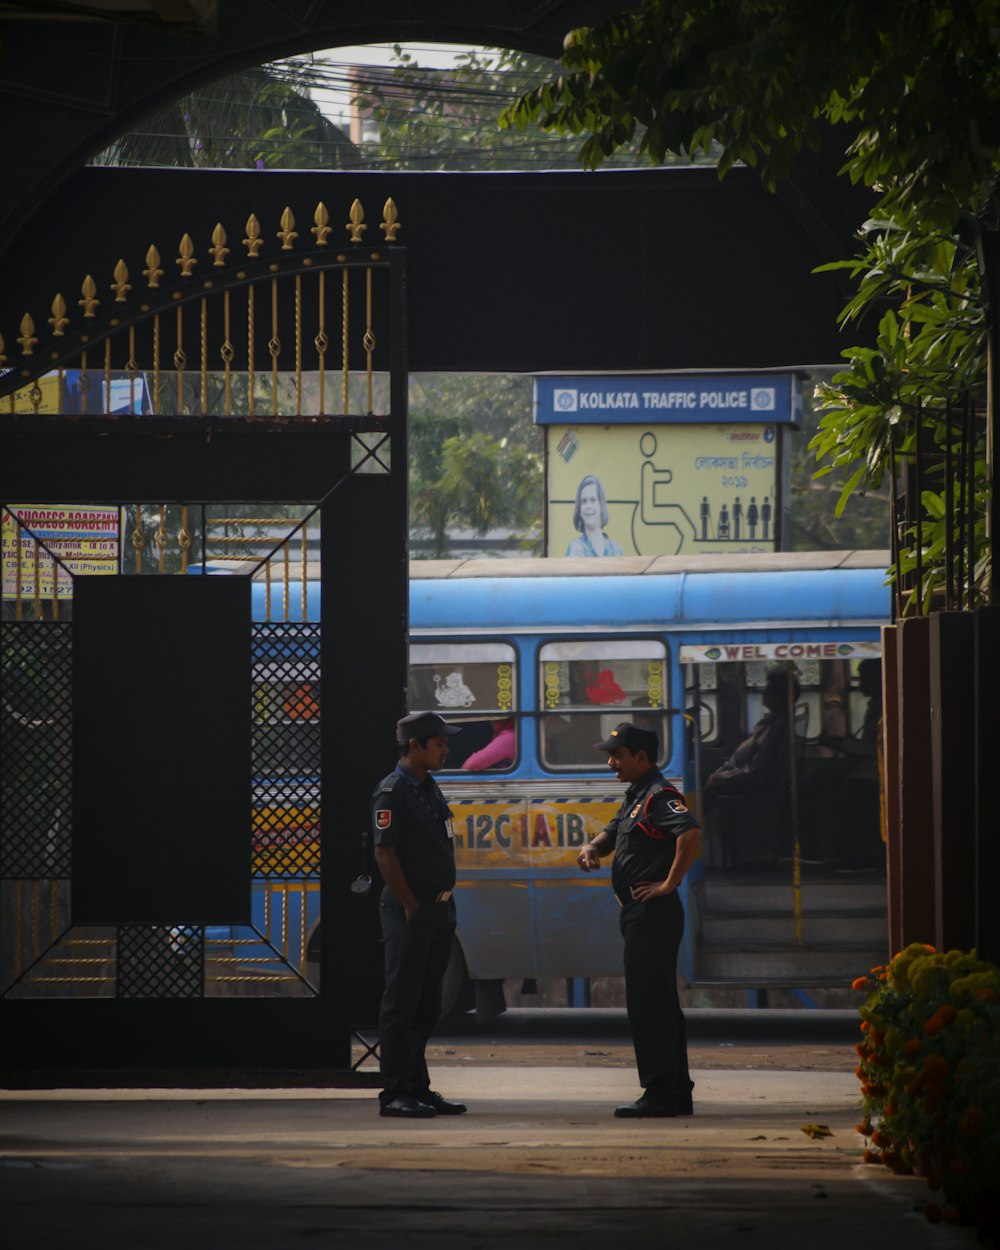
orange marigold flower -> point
(871, 1156)
(881, 1139)
(947, 1013)
(934, 1025)
(865, 1026)
(864, 1129)
(859, 1072)
(986, 995)
(972, 1122)
(859, 983)
(891, 1108)
(936, 1068)
(912, 1047)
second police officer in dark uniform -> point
(655, 840)
(415, 855)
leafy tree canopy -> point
(915, 90)
(917, 84)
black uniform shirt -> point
(646, 828)
(413, 818)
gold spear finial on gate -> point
(356, 225)
(58, 321)
(187, 257)
(90, 301)
(121, 285)
(154, 273)
(287, 234)
(27, 336)
(218, 248)
(253, 242)
(390, 221)
(322, 228)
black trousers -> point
(416, 956)
(652, 933)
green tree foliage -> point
(475, 458)
(816, 521)
(915, 90)
(450, 118)
(256, 119)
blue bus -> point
(537, 659)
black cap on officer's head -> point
(423, 725)
(632, 738)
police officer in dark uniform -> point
(415, 855)
(655, 840)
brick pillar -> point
(916, 792)
(987, 718)
(953, 760)
(891, 784)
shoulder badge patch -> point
(635, 811)
(676, 806)
(383, 818)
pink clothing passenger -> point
(501, 750)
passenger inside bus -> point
(498, 753)
(760, 763)
(758, 770)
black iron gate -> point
(202, 654)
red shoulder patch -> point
(383, 818)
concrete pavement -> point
(538, 1160)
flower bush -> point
(930, 1078)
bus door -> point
(822, 802)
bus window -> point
(586, 688)
(473, 685)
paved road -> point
(538, 1161)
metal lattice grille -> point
(286, 750)
(35, 769)
(160, 961)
